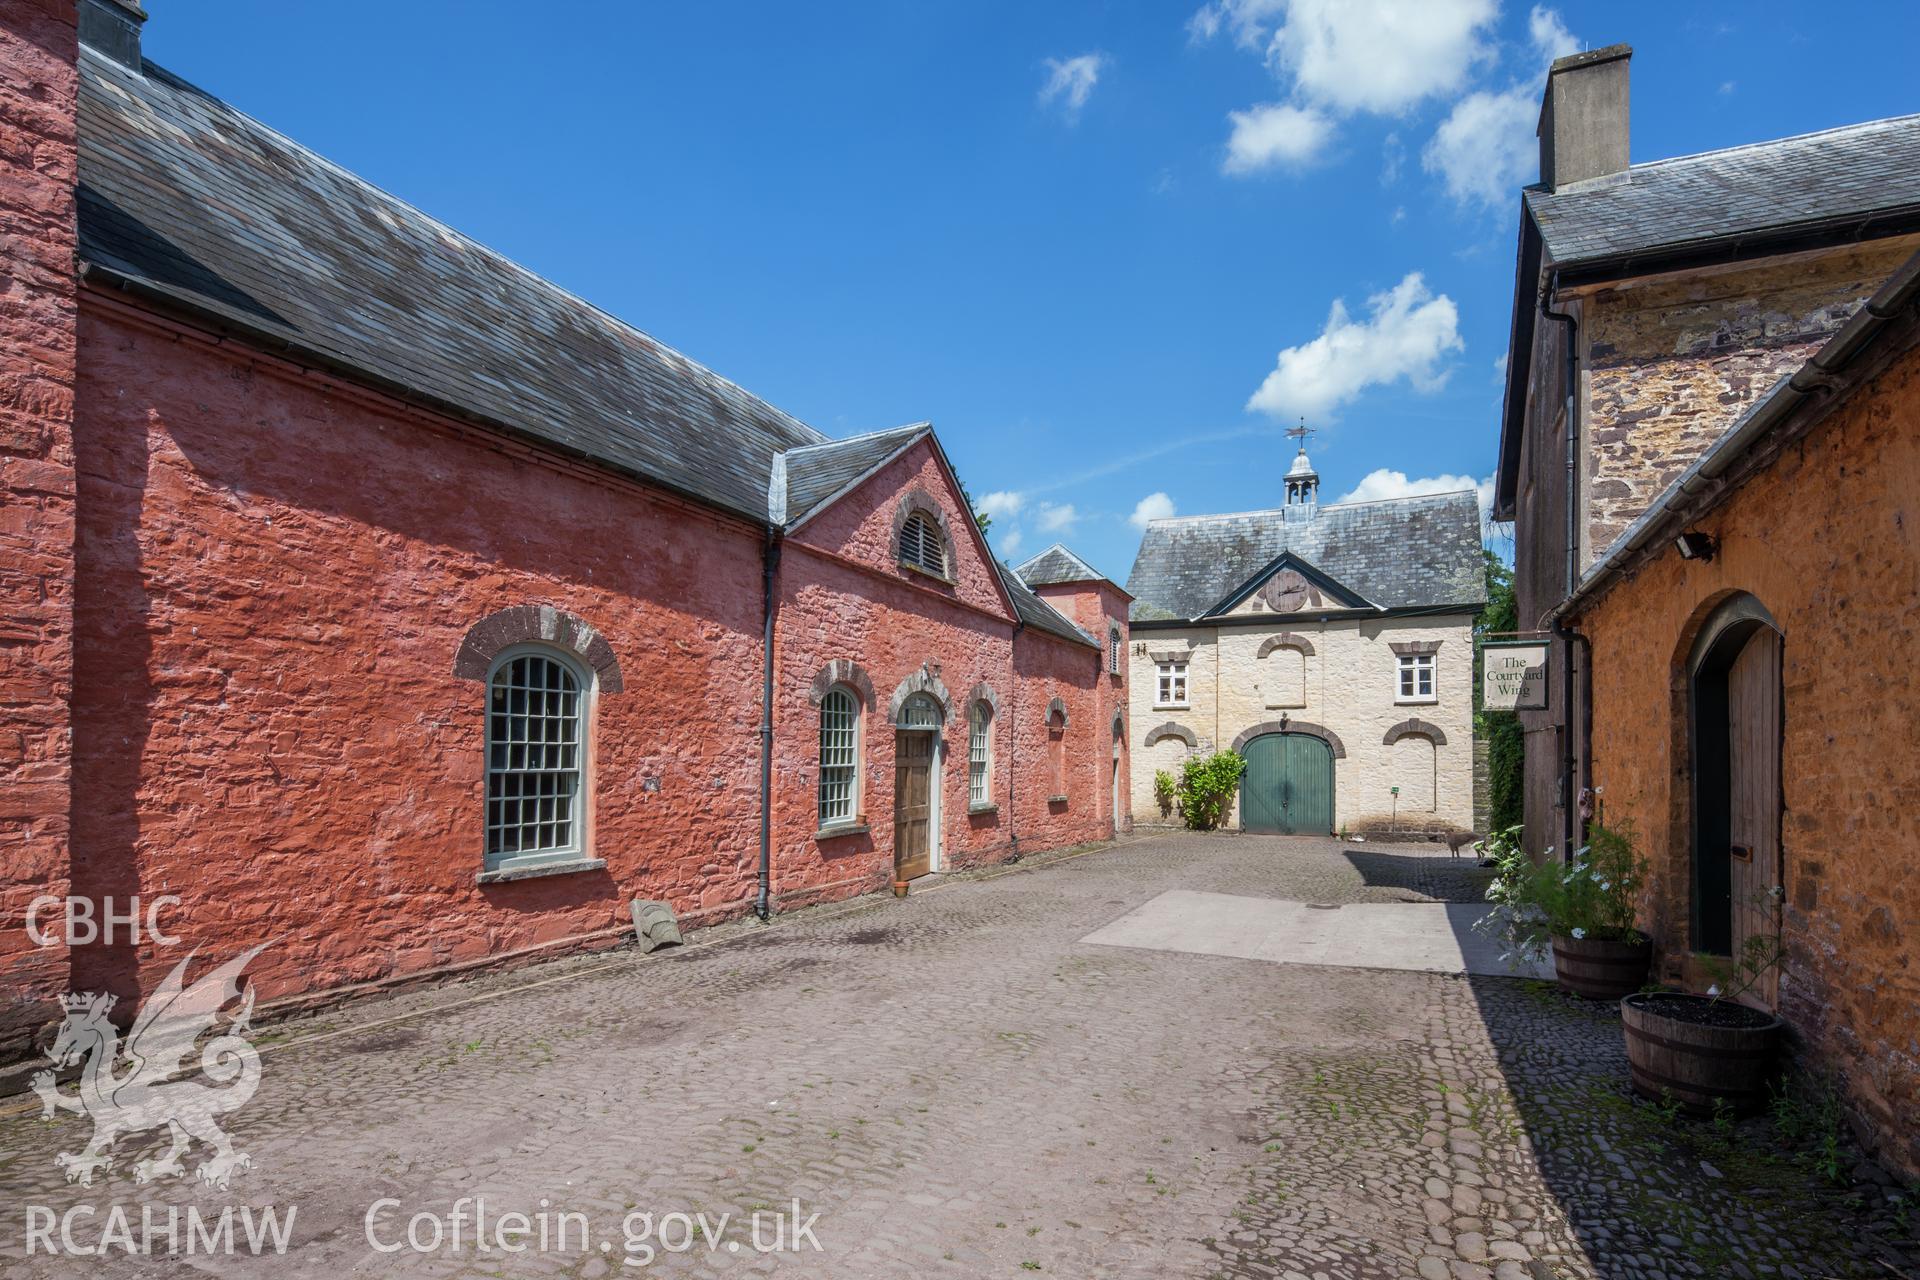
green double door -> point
(1289, 785)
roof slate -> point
(1402, 553)
(1667, 205)
(818, 473)
(188, 198)
(1057, 564)
(1036, 612)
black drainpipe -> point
(1569, 776)
(770, 569)
(1013, 742)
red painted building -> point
(372, 595)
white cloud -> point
(1249, 20)
(1057, 519)
(1407, 333)
(1070, 82)
(1380, 56)
(1485, 150)
(1274, 135)
(1010, 543)
(1500, 368)
(1155, 506)
(1550, 36)
(1387, 483)
(1002, 504)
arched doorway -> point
(1289, 785)
(916, 787)
(1734, 734)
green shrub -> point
(1595, 896)
(1206, 788)
(1165, 791)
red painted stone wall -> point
(276, 573)
(844, 597)
(38, 85)
(1096, 606)
(1827, 537)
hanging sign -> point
(1513, 675)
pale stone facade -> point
(1348, 691)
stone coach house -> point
(378, 597)
(1331, 646)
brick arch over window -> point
(983, 692)
(1172, 730)
(536, 624)
(1286, 640)
(1057, 705)
(918, 500)
(842, 671)
(1416, 729)
(926, 680)
(1321, 732)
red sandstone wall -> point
(1828, 539)
(276, 575)
(1047, 668)
(1095, 605)
(37, 341)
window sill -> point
(534, 870)
(839, 829)
(1173, 706)
(977, 809)
(1056, 799)
(1416, 702)
(928, 574)
(1286, 706)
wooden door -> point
(1289, 785)
(912, 804)
(1753, 827)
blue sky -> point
(1099, 244)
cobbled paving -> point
(957, 1086)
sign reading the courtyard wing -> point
(1514, 675)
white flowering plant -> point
(1593, 897)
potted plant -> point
(1707, 1052)
(1581, 913)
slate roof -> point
(1838, 175)
(188, 201)
(1401, 553)
(816, 474)
(1036, 612)
(1057, 564)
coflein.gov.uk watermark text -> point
(470, 1225)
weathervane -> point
(1300, 433)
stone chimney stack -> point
(1583, 117)
(112, 27)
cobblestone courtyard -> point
(958, 1085)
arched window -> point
(980, 755)
(921, 545)
(1057, 752)
(536, 748)
(839, 757)
(1113, 650)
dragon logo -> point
(140, 1085)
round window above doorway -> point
(919, 712)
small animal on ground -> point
(1458, 840)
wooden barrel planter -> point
(1693, 1050)
(1600, 968)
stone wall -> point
(1235, 683)
(38, 85)
(1674, 360)
(1828, 539)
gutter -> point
(1569, 760)
(1813, 382)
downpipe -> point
(769, 607)
(1571, 711)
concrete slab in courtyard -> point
(1426, 937)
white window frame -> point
(842, 809)
(1169, 679)
(980, 756)
(1416, 678)
(496, 857)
